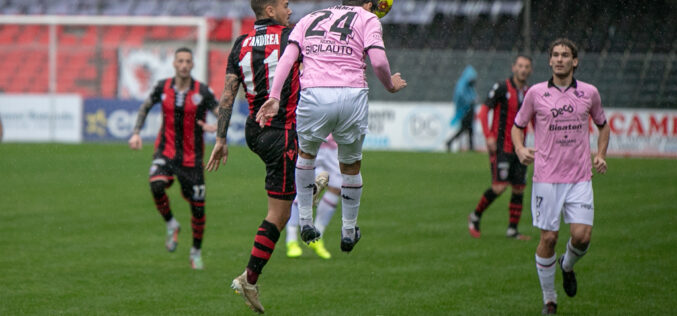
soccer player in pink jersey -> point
(334, 43)
(560, 110)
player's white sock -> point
(172, 223)
(292, 233)
(351, 192)
(571, 256)
(195, 252)
(546, 268)
(325, 210)
(305, 183)
(293, 223)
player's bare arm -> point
(490, 139)
(525, 154)
(135, 141)
(225, 112)
(599, 162)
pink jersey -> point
(334, 43)
(561, 129)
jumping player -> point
(334, 43)
(505, 98)
(252, 63)
(560, 110)
(179, 147)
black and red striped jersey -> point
(254, 58)
(505, 100)
(180, 137)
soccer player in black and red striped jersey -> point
(179, 147)
(505, 99)
(252, 63)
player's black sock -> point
(515, 209)
(197, 222)
(264, 244)
(487, 198)
(161, 199)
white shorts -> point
(550, 200)
(342, 112)
(327, 160)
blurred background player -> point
(464, 100)
(333, 43)
(179, 147)
(505, 98)
(329, 176)
(252, 61)
(561, 109)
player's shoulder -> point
(286, 31)
(237, 46)
(582, 85)
(537, 88)
(239, 39)
(311, 16)
(501, 85)
(205, 89)
(160, 84)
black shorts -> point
(278, 149)
(506, 168)
(192, 179)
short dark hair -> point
(259, 6)
(360, 2)
(183, 50)
(525, 56)
(566, 42)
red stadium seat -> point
(217, 69)
(159, 32)
(220, 30)
(247, 24)
(181, 32)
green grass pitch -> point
(79, 235)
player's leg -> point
(579, 213)
(546, 207)
(193, 190)
(293, 249)
(277, 148)
(468, 121)
(316, 117)
(498, 186)
(518, 180)
(327, 162)
(451, 140)
(305, 186)
(350, 162)
(515, 211)
(267, 235)
(161, 178)
(327, 207)
(349, 134)
(325, 211)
